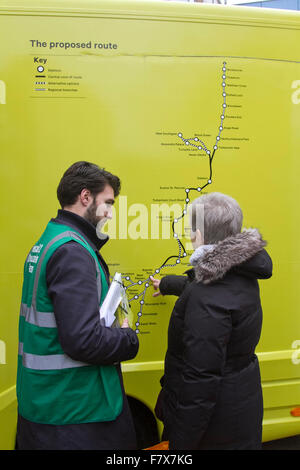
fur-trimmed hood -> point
(212, 262)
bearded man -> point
(69, 382)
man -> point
(69, 385)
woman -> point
(211, 391)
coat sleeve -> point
(173, 285)
(206, 332)
(71, 280)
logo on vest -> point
(32, 258)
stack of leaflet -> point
(115, 307)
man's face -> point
(100, 209)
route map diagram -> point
(173, 260)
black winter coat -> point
(211, 396)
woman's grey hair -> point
(217, 216)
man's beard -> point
(90, 214)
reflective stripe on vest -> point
(43, 319)
(47, 319)
(49, 362)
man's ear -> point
(85, 197)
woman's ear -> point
(199, 238)
(196, 239)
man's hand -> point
(155, 283)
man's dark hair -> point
(85, 175)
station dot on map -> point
(141, 302)
(147, 285)
(139, 314)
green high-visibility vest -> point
(53, 388)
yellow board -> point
(177, 100)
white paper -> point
(112, 300)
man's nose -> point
(108, 213)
